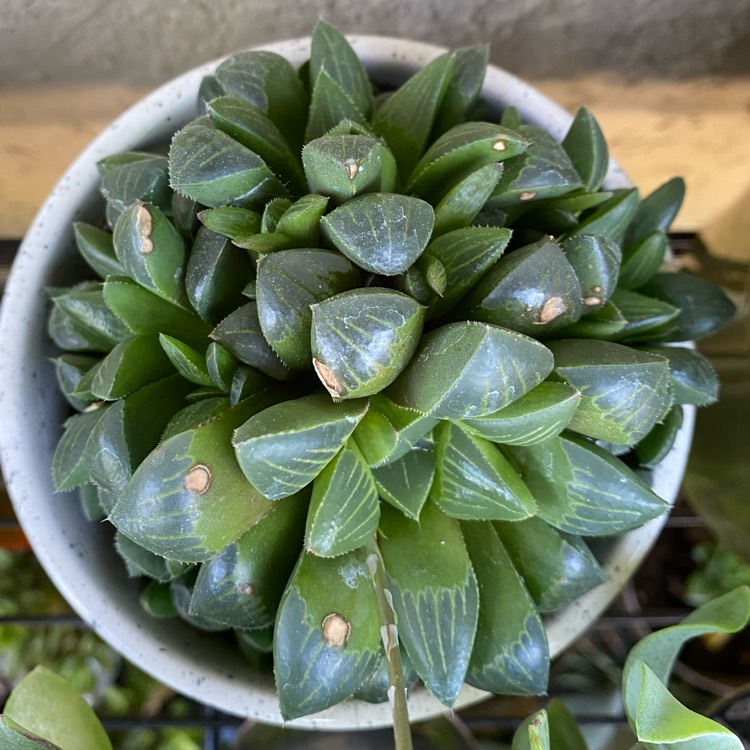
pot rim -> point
(71, 550)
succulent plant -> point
(358, 356)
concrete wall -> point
(148, 41)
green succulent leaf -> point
(587, 149)
(301, 221)
(87, 308)
(191, 364)
(344, 508)
(246, 381)
(212, 168)
(181, 594)
(407, 117)
(273, 211)
(556, 567)
(653, 448)
(260, 641)
(375, 689)
(613, 217)
(284, 447)
(469, 370)
(45, 705)
(233, 222)
(189, 499)
(693, 378)
(129, 366)
(540, 414)
(543, 170)
(69, 467)
(130, 429)
(15, 737)
(596, 262)
(156, 600)
(383, 233)
(327, 635)
(256, 131)
(330, 105)
(140, 562)
(145, 313)
(462, 203)
(466, 254)
(241, 587)
(533, 734)
(511, 118)
(241, 333)
(289, 284)
(435, 598)
(510, 654)
(216, 274)
(405, 482)
(563, 728)
(195, 414)
(645, 316)
(641, 260)
(533, 290)
(97, 248)
(184, 216)
(145, 180)
(221, 365)
(657, 211)
(464, 149)
(69, 369)
(71, 335)
(152, 251)
(704, 307)
(604, 323)
(362, 339)
(624, 392)
(582, 489)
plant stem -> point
(389, 633)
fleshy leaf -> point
(612, 218)
(585, 145)
(190, 363)
(362, 339)
(657, 211)
(653, 448)
(246, 381)
(69, 369)
(231, 221)
(398, 230)
(195, 414)
(329, 105)
(435, 598)
(289, 283)
(641, 260)
(73, 336)
(189, 499)
(474, 481)
(242, 586)
(624, 392)
(556, 567)
(327, 635)
(301, 221)
(645, 316)
(405, 482)
(15, 737)
(510, 654)
(344, 508)
(156, 600)
(97, 248)
(582, 489)
(469, 370)
(563, 728)
(533, 734)
(145, 180)
(69, 467)
(596, 262)
(693, 378)
(87, 307)
(603, 323)
(220, 364)
(538, 415)
(284, 447)
(141, 562)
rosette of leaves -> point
(361, 373)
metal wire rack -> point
(218, 728)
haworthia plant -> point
(336, 322)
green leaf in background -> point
(342, 166)
(646, 316)
(69, 369)
(624, 392)
(693, 378)
(216, 275)
(330, 105)
(246, 381)
(641, 260)
(85, 305)
(464, 149)
(97, 248)
(466, 254)
(252, 128)
(156, 600)
(215, 170)
(129, 366)
(543, 170)
(242, 586)
(284, 447)
(145, 180)
(657, 211)
(534, 290)
(405, 483)
(144, 312)
(289, 283)
(69, 467)
(596, 262)
(130, 429)
(48, 706)
(140, 561)
(653, 448)
(469, 370)
(191, 364)
(70, 335)
(556, 567)
(540, 414)
(189, 499)
(533, 734)
(399, 230)
(474, 481)
(510, 654)
(152, 251)
(435, 598)
(362, 340)
(407, 117)
(344, 508)
(613, 217)
(708, 310)
(563, 729)
(241, 333)
(582, 489)
(269, 82)
(327, 635)
(585, 145)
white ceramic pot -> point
(79, 556)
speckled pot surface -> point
(78, 555)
